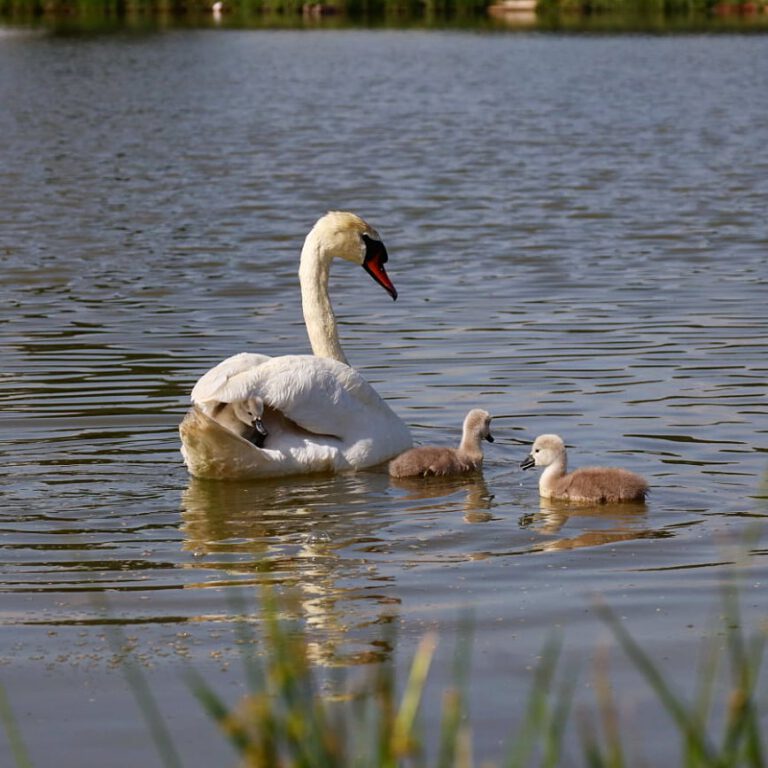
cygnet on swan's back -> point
(595, 484)
(244, 418)
(432, 460)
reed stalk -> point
(15, 740)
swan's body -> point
(593, 484)
(320, 414)
(440, 461)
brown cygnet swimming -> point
(595, 484)
(440, 461)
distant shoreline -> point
(600, 15)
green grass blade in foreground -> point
(455, 741)
(254, 674)
(704, 697)
(537, 710)
(141, 691)
(608, 713)
(18, 748)
(219, 711)
(558, 720)
(151, 712)
(755, 749)
(742, 737)
(291, 679)
(404, 740)
(702, 752)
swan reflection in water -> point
(473, 496)
(570, 525)
(305, 536)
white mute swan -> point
(320, 415)
(438, 461)
(595, 484)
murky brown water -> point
(576, 226)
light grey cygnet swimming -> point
(595, 484)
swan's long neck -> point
(314, 271)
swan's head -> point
(251, 412)
(344, 235)
(478, 422)
(546, 450)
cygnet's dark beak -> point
(527, 462)
(258, 433)
(489, 437)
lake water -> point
(577, 229)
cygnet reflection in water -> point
(475, 504)
(565, 525)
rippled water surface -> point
(576, 227)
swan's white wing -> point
(322, 395)
(221, 383)
(321, 415)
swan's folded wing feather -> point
(224, 382)
(321, 395)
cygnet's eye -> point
(536, 450)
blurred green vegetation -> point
(586, 15)
(239, 10)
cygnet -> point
(244, 418)
(431, 460)
(594, 484)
